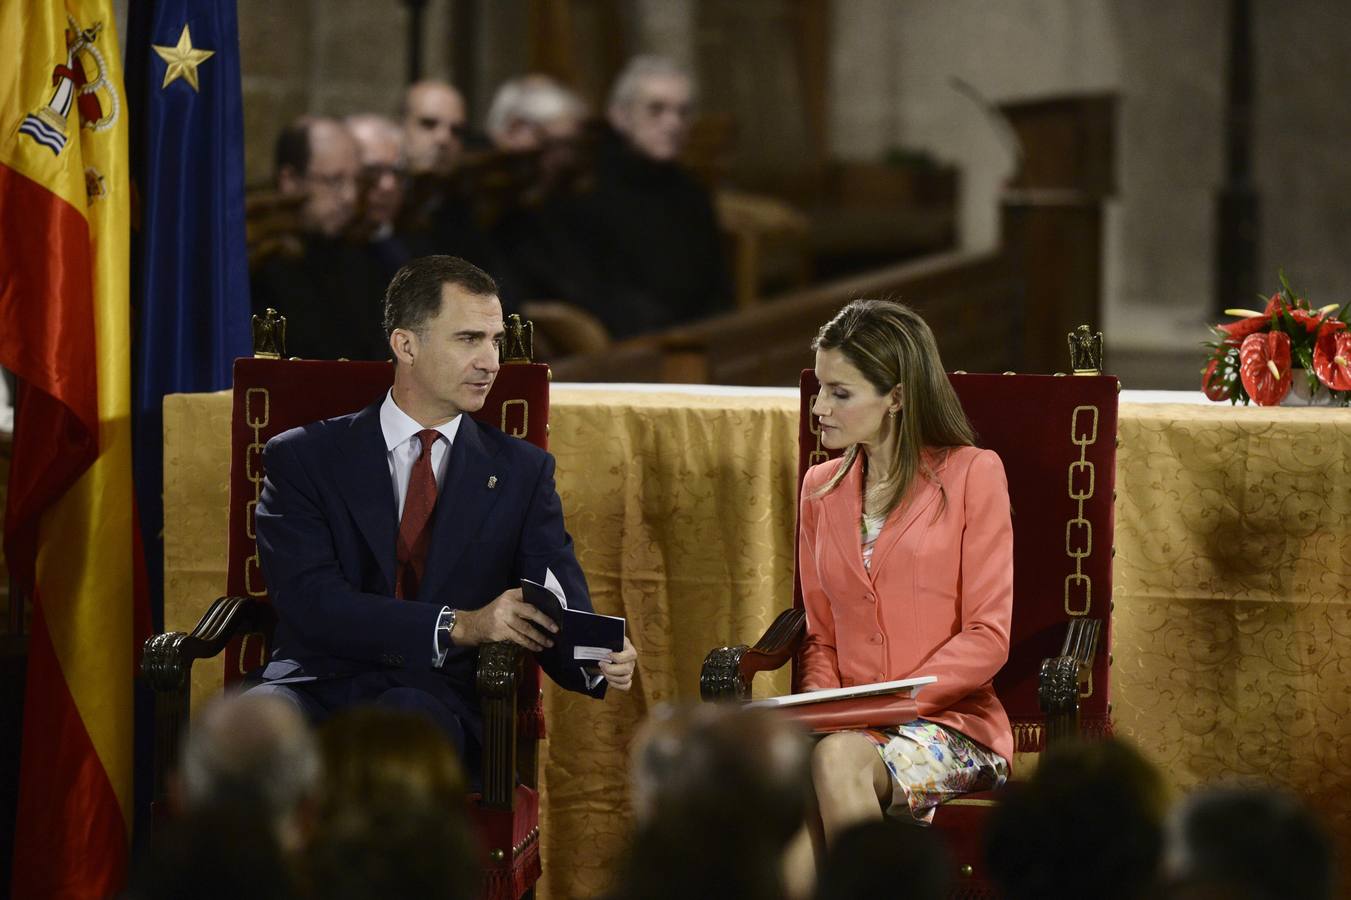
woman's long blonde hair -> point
(891, 345)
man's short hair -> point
(293, 147)
(414, 296)
(641, 68)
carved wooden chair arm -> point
(1062, 676)
(167, 659)
(498, 679)
(727, 671)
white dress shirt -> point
(402, 449)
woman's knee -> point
(844, 754)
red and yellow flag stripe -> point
(65, 332)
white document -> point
(911, 685)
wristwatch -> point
(447, 626)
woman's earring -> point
(892, 413)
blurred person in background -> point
(535, 114)
(434, 125)
(329, 294)
(547, 239)
(876, 859)
(439, 214)
(1247, 843)
(256, 754)
(245, 799)
(392, 818)
(718, 792)
(383, 177)
(650, 218)
(1089, 823)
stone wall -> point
(331, 57)
(891, 85)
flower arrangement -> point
(1259, 356)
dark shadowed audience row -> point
(372, 805)
(555, 205)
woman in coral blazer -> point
(906, 563)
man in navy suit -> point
(394, 540)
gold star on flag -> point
(182, 60)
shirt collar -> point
(399, 427)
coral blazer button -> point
(876, 638)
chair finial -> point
(269, 335)
(1085, 351)
(518, 344)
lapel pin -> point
(492, 482)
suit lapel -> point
(844, 511)
(922, 495)
(463, 504)
(364, 483)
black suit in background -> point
(640, 249)
(332, 295)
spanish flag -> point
(69, 522)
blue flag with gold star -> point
(190, 276)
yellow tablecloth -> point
(1232, 639)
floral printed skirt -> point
(930, 763)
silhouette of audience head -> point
(252, 755)
(1256, 843)
(433, 127)
(1089, 823)
(651, 105)
(380, 149)
(718, 792)
(316, 158)
(218, 854)
(881, 858)
(392, 819)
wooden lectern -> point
(1052, 215)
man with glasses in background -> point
(439, 216)
(329, 294)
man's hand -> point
(508, 618)
(618, 669)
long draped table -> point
(1232, 631)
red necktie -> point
(415, 528)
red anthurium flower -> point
(1252, 323)
(1314, 320)
(1213, 387)
(1264, 366)
(1239, 330)
(1332, 359)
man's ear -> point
(403, 344)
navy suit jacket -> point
(326, 525)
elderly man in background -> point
(331, 296)
(383, 175)
(547, 242)
(534, 113)
(654, 219)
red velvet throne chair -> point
(1056, 436)
(272, 395)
